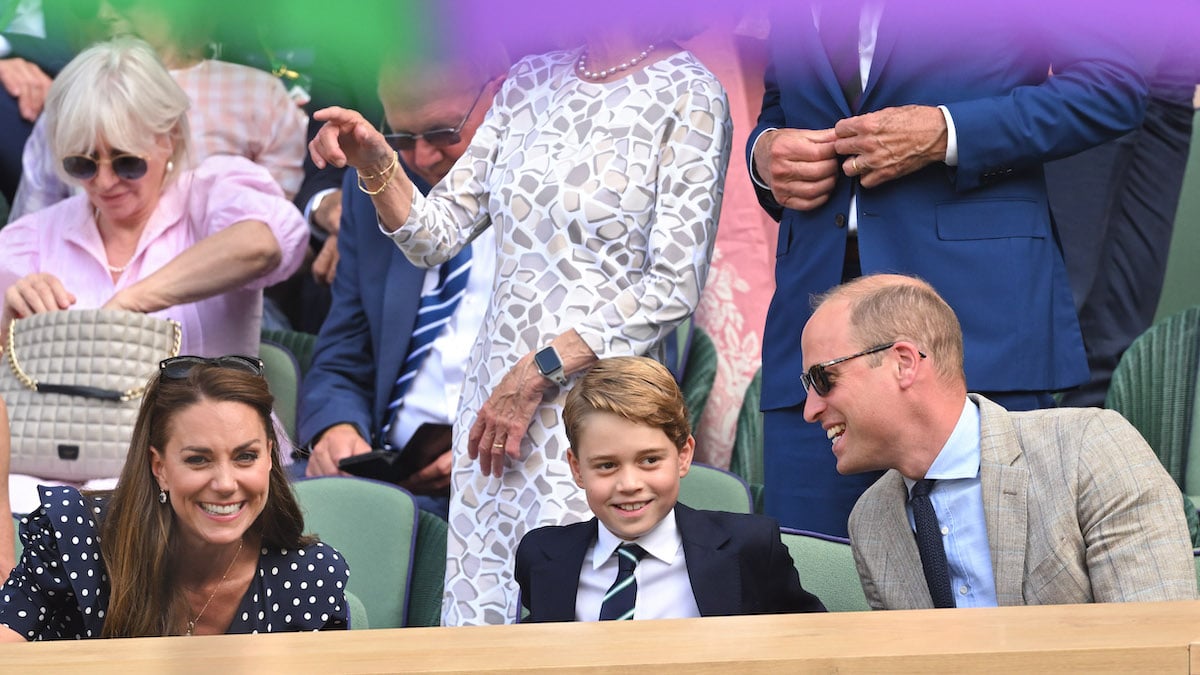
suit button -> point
(840, 220)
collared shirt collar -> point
(959, 457)
(661, 542)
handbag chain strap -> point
(32, 384)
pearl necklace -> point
(581, 65)
(191, 625)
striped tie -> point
(437, 306)
(621, 596)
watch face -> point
(547, 360)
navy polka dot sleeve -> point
(59, 589)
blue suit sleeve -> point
(339, 387)
(1097, 92)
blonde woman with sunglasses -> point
(148, 234)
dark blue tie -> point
(622, 595)
(929, 544)
(437, 306)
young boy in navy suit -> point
(630, 446)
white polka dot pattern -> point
(59, 589)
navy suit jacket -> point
(364, 339)
(980, 232)
(736, 562)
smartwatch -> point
(549, 365)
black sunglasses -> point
(124, 165)
(178, 367)
(402, 140)
(819, 380)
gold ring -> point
(497, 445)
(854, 163)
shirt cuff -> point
(951, 138)
(753, 171)
(314, 203)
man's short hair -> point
(887, 308)
(637, 388)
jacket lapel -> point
(712, 565)
(1005, 485)
(557, 575)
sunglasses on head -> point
(402, 140)
(818, 379)
(124, 165)
(178, 367)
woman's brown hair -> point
(138, 539)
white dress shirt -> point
(664, 589)
(434, 392)
(958, 501)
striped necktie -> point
(436, 309)
(619, 601)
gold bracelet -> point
(387, 175)
(386, 169)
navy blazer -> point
(737, 564)
(980, 232)
(364, 339)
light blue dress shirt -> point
(958, 501)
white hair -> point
(118, 92)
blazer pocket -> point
(1056, 581)
(991, 219)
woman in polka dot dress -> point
(202, 534)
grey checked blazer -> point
(1078, 509)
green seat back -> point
(1154, 387)
(358, 613)
(374, 526)
(283, 377)
(429, 572)
(710, 488)
(827, 570)
(300, 344)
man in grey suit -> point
(980, 506)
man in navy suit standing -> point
(347, 401)
(910, 137)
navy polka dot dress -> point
(59, 589)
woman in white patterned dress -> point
(605, 184)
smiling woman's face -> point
(216, 467)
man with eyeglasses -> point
(980, 506)
(372, 384)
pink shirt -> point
(63, 240)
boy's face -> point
(629, 471)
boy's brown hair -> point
(637, 388)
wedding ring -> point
(497, 445)
(854, 163)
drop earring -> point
(162, 496)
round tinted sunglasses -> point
(402, 140)
(178, 367)
(124, 165)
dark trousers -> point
(14, 130)
(1114, 207)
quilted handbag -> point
(73, 386)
